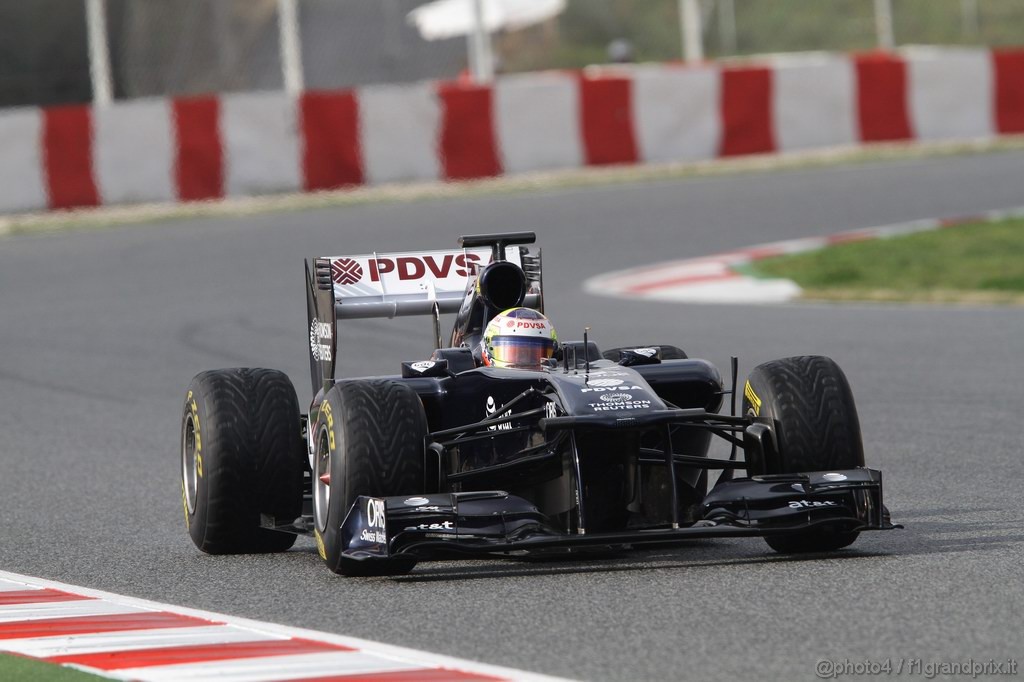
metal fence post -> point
(291, 46)
(969, 15)
(690, 28)
(727, 26)
(481, 60)
(883, 25)
(99, 52)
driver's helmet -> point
(518, 337)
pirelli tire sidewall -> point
(330, 449)
(374, 431)
(241, 456)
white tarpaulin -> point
(450, 18)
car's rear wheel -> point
(811, 408)
(369, 440)
(241, 456)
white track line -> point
(212, 633)
(270, 668)
(13, 613)
(44, 647)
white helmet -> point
(518, 337)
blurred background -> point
(182, 47)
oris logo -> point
(375, 517)
(646, 352)
(606, 382)
(346, 271)
(616, 397)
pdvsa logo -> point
(595, 388)
(346, 271)
(405, 268)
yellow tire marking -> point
(755, 402)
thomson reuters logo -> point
(346, 271)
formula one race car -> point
(461, 456)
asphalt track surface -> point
(100, 332)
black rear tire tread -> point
(253, 460)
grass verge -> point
(972, 263)
(21, 669)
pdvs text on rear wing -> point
(397, 284)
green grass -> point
(981, 262)
(19, 669)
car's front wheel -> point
(369, 440)
(810, 406)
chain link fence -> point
(182, 47)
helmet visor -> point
(521, 351)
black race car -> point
(450, 458)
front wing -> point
(390, 534)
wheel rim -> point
(189, 466)
(321, 490)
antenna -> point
(734, 364)
(586, 348)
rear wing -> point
(397, 284)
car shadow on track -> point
(635, 561)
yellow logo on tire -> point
(320, 545)
(755, 402)
(325, 412)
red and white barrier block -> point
(132, 639)
(202, 148)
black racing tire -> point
(242, 455)
(809, 403)
(667, 352)
(370, 436)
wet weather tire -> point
(369, 438)
(242, 455)
(811, 408)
